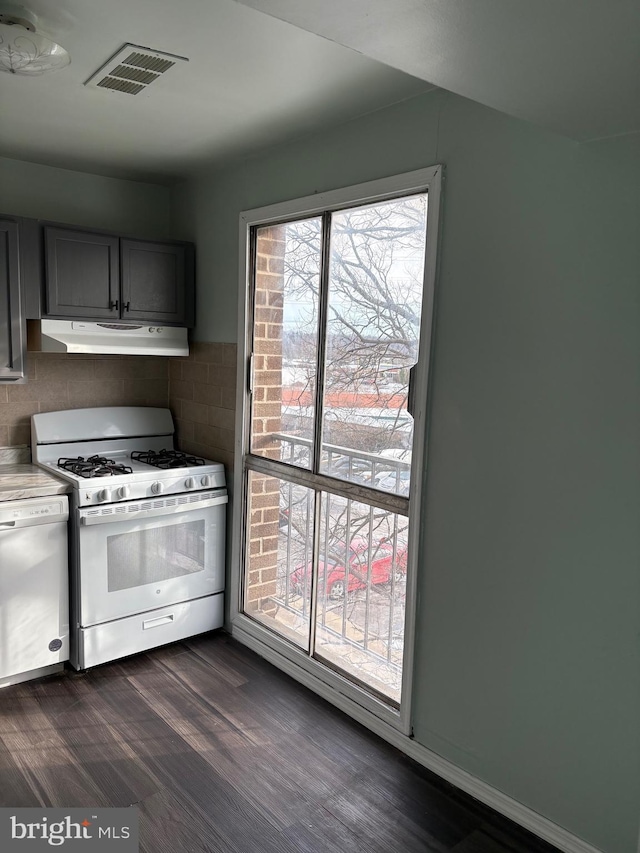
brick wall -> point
(267, 343)
(262, 560)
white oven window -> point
(157, 554)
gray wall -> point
(527, 647)
(79, 198)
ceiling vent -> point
(133, 69)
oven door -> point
(140, 555)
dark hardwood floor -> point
(223, 753)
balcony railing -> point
(361, 565)
(384, 471)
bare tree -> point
(373, 318)
(376, 263)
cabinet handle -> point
(113, 306)
(127, 305)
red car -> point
(333, 575)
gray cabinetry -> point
(82, 274)
(100, 276)
(153, 281)
(12, 326)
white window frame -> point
(337, 689)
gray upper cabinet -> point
(82, 274)
(12, 327)
(100, 276)
(153, 281)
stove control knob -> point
(189, 483)
(206, 481)
(104, 495)
(157, 488)
(124, 492)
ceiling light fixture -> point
(22, 50)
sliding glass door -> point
(336, 344)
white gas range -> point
(147, 529)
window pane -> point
(375, 302)
(361, 593)
(285, 342)
(279, 555)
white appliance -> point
(81, 336)
(34, 588)
(147, 527)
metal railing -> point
(361, 567)
(376, 470)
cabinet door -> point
(32, 267)
(154, 282)
(82, 274)
(12, 334)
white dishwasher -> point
(34, 588)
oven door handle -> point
(116, 514)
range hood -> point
(80, 336)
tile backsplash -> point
(199, 390)
(202, 397)
(60, 381)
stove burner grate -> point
(93, 466)
(167, 458)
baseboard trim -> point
(479, 790)
(502, 803)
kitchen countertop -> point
(22, 480)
